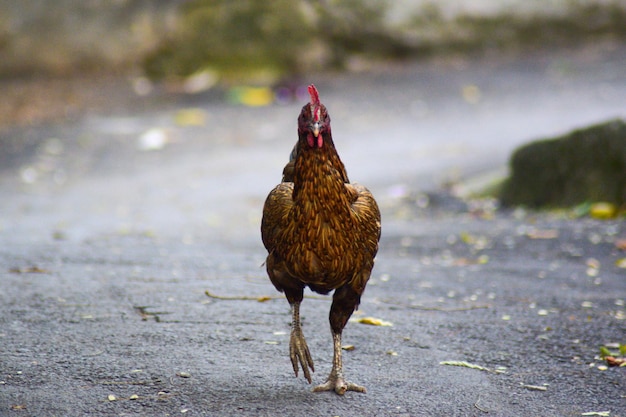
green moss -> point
(236, 39)
(585, 165)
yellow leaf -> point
(465, 365)
(190, 117)
(251, 96)
(603, 210)
(621, 263)
(373, 321)
(543, 234)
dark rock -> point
(585, 165)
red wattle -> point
(319, 140)
(309, 139)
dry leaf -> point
(373, 321)
(190, 117)
(535, 387)
(602, 210)
(465, 365)
(29, 270)
(543, 234)
(613, 361)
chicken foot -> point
(298, 349)
(336, 381)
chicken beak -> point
(316, 129)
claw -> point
(298, 349)
(300, 355)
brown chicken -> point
(321, 232)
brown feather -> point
(319, 230)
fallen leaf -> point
(535, 387)
(602, 210)
(190, 117)
(29, 270)
(373, 321)
(112, 397)
(543, 234)
(465, 365)
(597, 413)
(592, 263)
(621, 263)
(620, 244)
(348, 347)
(613, 361)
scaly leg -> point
(345, 301)
(336, 381)
(298, 349)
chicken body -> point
(321, 232)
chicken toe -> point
(298, 349)
(336, 382)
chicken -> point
(320, 231)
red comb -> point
(315, 97)
(315, 102)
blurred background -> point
(479, 76)
(167, 38)
(219, 42)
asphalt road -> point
(114, 224)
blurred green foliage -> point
(585, 165)
(235, 38)
(251, 39)
(247, 39)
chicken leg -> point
(336, 381)
(344, 303)
(298, 349)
